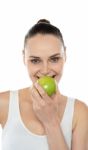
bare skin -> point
(40, 113)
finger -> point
(37, 97)
(35, 93)
(42, 92)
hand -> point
(44, 106)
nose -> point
(45, 68)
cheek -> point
(31, 72)
(59, 67)
(59, 71)
(31, 69)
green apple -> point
(48, 84)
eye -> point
(55, 59)
(35, 61)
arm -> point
(55, 137)
(46, 110)
(80, 132)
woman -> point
(32, 120)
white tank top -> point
(15, 136)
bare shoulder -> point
(4, 97)
(80, 112)
(80, 129)
(81, 108)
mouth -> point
(53, 76)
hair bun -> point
(43, 21)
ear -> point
(23, 53)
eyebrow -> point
(50, 56)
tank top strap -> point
(12, 110)
(13, 105)
(67, 120)
(68, 113)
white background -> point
(17, 16)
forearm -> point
(55, 138)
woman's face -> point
(44, 55)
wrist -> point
(52, 125)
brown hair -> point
(43, 26)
